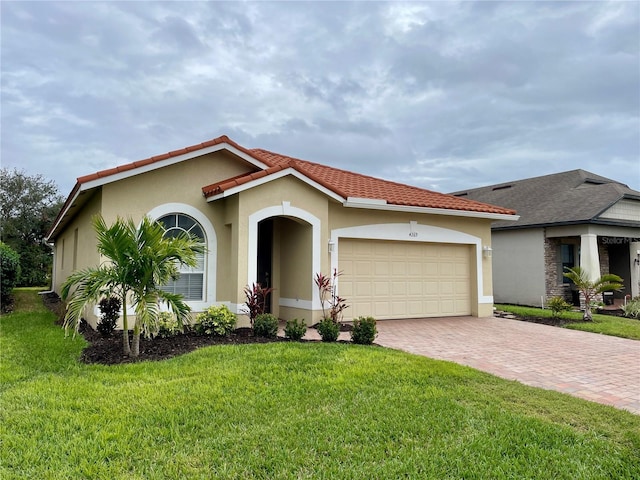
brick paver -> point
(595, 367)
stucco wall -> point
(266, 201)
(182, 184)
(518, 266)
(75, 248)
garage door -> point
(390, 279)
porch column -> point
(589, 258)
(633, 288)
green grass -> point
(604, 324)
(288, 410)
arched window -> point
(190, 284)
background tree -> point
(140, 261)
(590, 289)
(9, 273)
(28, 206)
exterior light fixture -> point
(636, 261)
(332, 246)
(487, 251)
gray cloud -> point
(441, 95)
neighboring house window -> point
(190, 284)
(567, 260)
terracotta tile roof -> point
(236, 181)
(350, 184)
(158, 158)
(344, 183)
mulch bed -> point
(108, 350)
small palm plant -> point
(140, 260)
(591, 288)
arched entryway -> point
(284, 253)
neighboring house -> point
(264, 217)
(566, 219)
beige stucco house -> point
(404, 252)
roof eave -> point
(376, 204)
(592, 221)
(275, 176)
(71, 199)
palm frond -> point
(85, 287)
(177, 306)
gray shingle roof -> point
(576, 196)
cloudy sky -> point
(442, 95)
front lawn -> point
(605, 324)
(287, 410)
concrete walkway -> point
(595, 367)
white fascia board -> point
(172, 161)
(275, 176)
(376, 205)
(365, 201)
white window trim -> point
(210, 255)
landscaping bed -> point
(109, 351)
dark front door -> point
(619, 265)
(265, 255)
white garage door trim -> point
(412, 232)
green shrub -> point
(364, 330)
(215, 320)
(109, 314)
(295, 329)
(9, 271)
(168, 325)
(265, 325)
(558, 306)
(632, 308)
(328, 330)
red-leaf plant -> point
(327, 292)
(256, 300)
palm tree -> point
(140, 260)
(590, 288)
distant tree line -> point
(29, 205)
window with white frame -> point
(191, 282)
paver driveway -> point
(595, 367)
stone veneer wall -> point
(603, 253)
(554, 285)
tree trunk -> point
(587, 317)
(125, 329)
(587, 314)
(135, 344)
